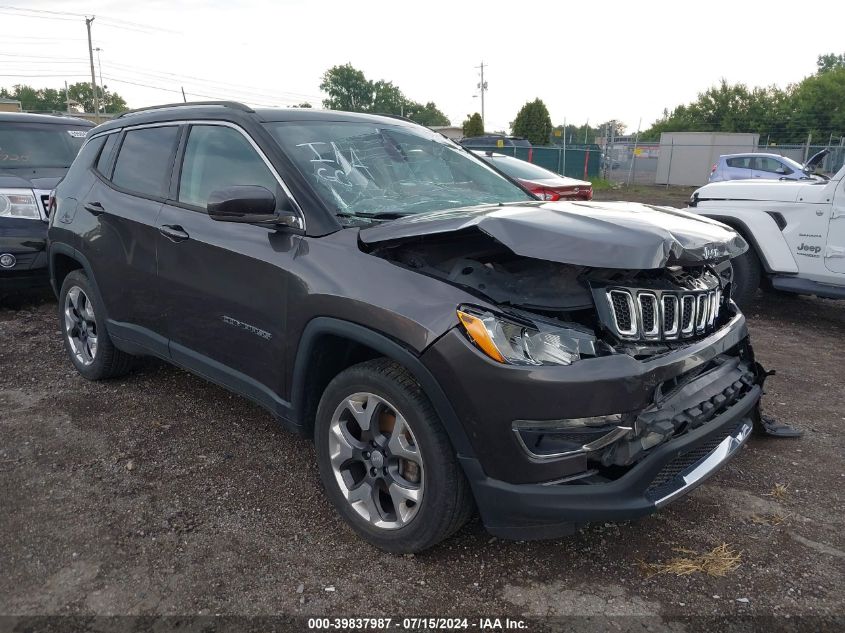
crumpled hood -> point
(773, 190)
(597, 234)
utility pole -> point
(67, 98)
(88, 22)
(482, 86)
(102, 85)
(184, 98)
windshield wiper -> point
(379, 215)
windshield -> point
(368, 170)
(516, 168)
(27, 145)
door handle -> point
(94, 208)
(174, 232)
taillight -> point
(713, 168)
(51, 203)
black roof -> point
(232, 111)
(25, 117)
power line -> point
(69, 16)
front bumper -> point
(531, 511)
(26, 241)
(521, 496)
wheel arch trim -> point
(766, 238)
(59, 248)
(387, 347)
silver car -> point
(767, 166)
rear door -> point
(120, 242)
(738, 168)
(224, 284)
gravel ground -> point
(159, 493)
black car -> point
(35, 152)
(449, 341)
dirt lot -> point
(159, 493)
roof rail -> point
(223, 104)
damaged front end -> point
(551, 311)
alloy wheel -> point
(376, 460)
(80, 325)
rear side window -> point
(217, 157)
(103, 162)
(743, 162)
(145, 160)
(82, 163)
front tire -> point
(83, 323)
(385, 460)
(746, 278)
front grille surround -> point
(661, 315)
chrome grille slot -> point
(43, 197)
(702, 303)
(670, 316)
(624, 316)
(688, 315)
(649, 314)
(715, 301)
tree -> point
(428, 114)
(387, 98)
(348, 89)
(831, 61)
(473, 126)
(533, 122)
(83, 95)
(612, 128)
(53, 100)
(780, 115)
(304, 104)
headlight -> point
(514, 343)
(18, 203)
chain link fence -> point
(632, 163)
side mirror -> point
(780, 170)
(252, 204)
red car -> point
(545, 184)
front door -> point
(223, 284)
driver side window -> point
(217, 157)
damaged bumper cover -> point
(672, 421)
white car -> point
(795, 230)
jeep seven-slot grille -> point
(663, 315)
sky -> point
(611, 60)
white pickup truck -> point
(795, 229)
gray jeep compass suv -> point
(449, 341)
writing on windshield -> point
(367, 170)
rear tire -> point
(746, 278)
(83, 323)
(397, 481)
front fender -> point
(760, 230)
(387, 347)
